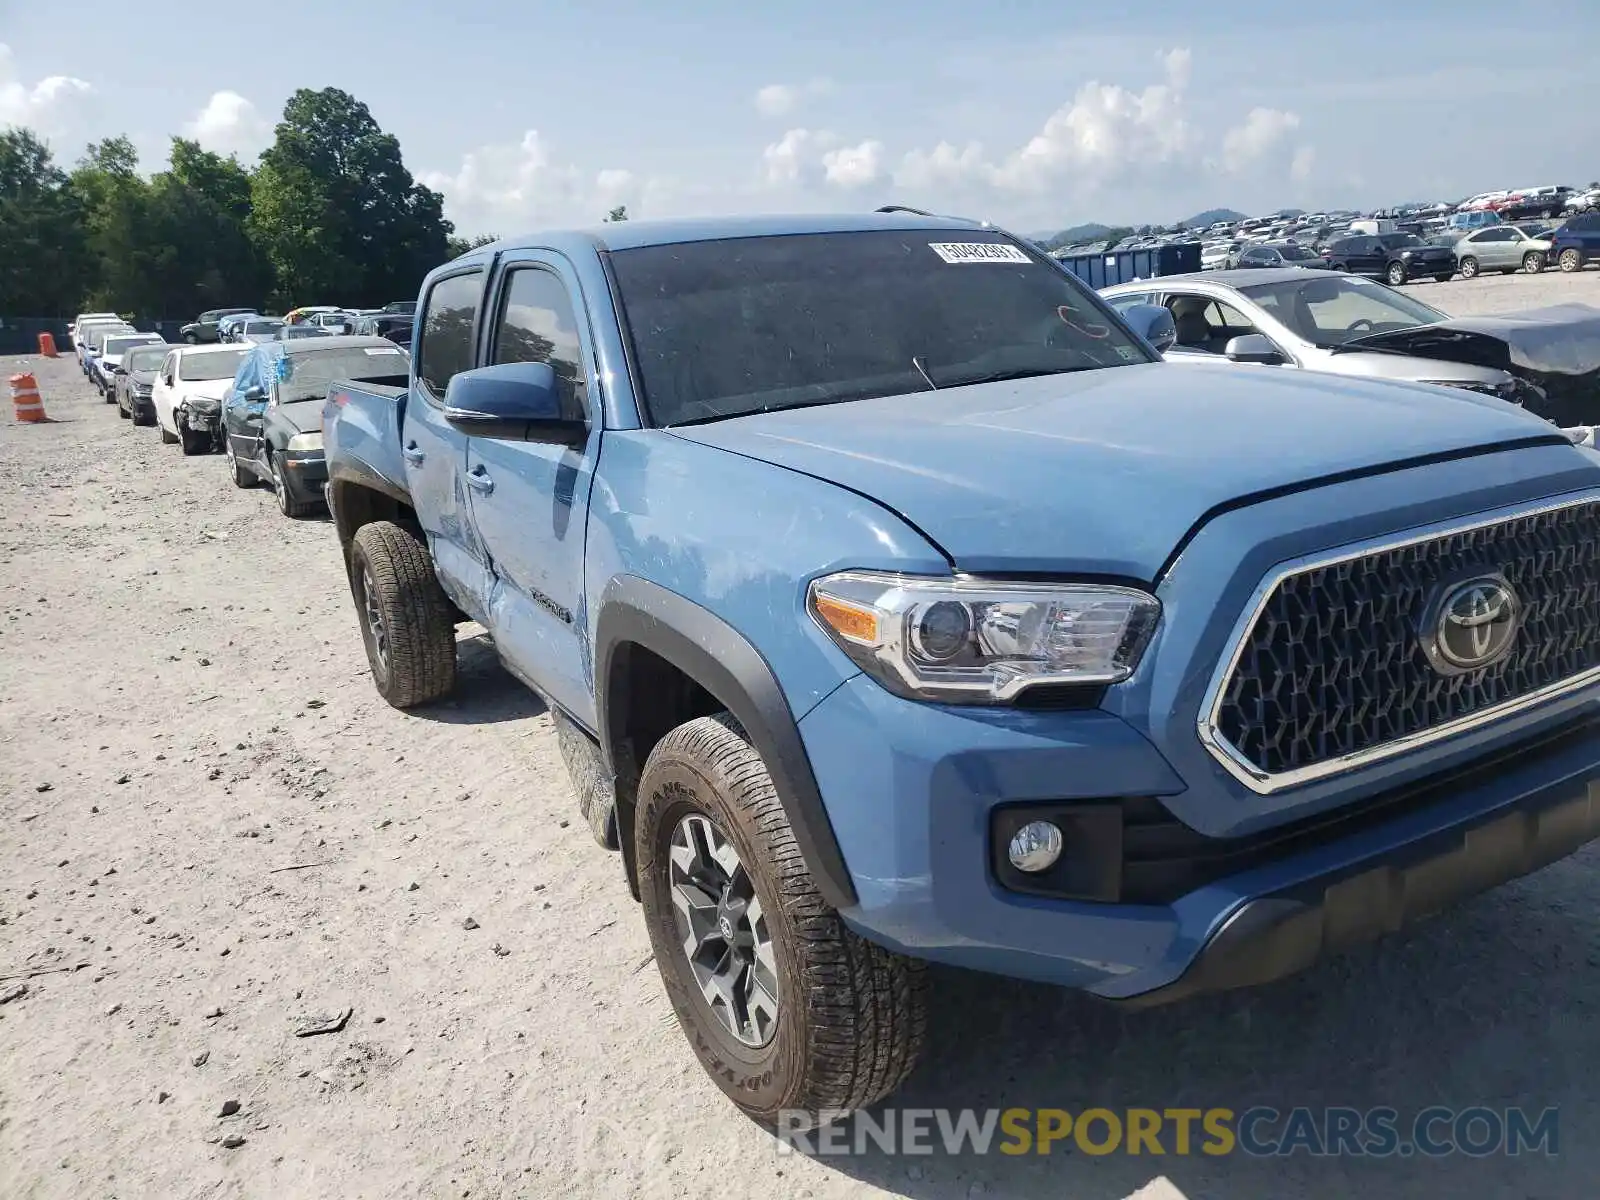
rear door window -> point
(448, 324)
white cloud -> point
(1106, 132)
(510, 188)
(1263, 131)
(54, 105)
(781, 99)
(854, 166)
(230, 124)
(943, 166)
(796, 157)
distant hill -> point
(1212, 215)
(1078, 233)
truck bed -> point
(361, 435)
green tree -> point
(200, 206)
(619, 213)
(114, 199)
(336, 212)
(43, 259)
(456, 245)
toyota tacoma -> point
(896, 603)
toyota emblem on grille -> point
(1471, 625)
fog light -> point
(1035, 847)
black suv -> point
(1392, 257)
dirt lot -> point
(214, 823)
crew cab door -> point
(530, 500)
(435, 452)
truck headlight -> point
(974, 641)
(306, 441)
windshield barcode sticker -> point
(978, 252)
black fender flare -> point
(719, 658)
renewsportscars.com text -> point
(1477, 1131)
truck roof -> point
(629, 235)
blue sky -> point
(530, 114)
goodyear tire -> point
(785, 1007)
(406, 620)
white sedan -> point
(187, 394)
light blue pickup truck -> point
(896, 603)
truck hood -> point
(1556, 349)
(1105, 471)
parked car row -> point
(255, 393)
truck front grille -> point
(1328, 669)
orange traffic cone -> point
(25, 396)
(47, 346)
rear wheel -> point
(785, 1007)
(1469, 267)
(1571, 260)
(406, 620)
(1396, 274)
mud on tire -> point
(851, 1016)
(406, 621)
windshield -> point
(309, 372)
(218, 364)
(117, 345)
(1331, 310)
(743, 325)
(145, 358)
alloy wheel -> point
(280, 486)
(376, 629)
(723, 930)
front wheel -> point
(785, 1007)
(1571, 260)
(1533, 262)
(406, 619)
(191, 339)
(289, 504)
(167, 436)
(1441, 279)
(242, 476)
(1469, 268)
(1396, 274)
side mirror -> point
(1252, 348)
(1154, 324)
(515, 402)
(253, 395)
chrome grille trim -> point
(1265, 783)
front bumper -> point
(913, 813)
(142, 406)
(304, 473)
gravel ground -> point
(213, 821)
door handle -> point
(478, 480)
(412, 455)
